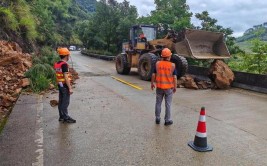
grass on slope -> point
(246, 46)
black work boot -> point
(157, 121)
(167, 123)
(69, 120)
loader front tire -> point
(180, 64)
(146, 66)
(122, 65)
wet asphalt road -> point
(115, 124)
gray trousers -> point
(63, 102)
(167, 94)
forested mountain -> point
(88, 5)
(33, 23)
(258, 31)
(100, 25)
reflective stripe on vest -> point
(59, 73)
(164, 74)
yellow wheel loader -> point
(143, 50)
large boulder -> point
(221, 74)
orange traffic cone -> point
(200, 142)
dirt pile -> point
(13, 64)
(74, 74)
(193, 82)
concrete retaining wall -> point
(254, 82)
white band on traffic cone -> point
(202, 135)
(202, 118)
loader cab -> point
(140, 34)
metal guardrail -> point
(249, 81)
(104, 57)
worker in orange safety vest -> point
(63, 78)
(166, 82)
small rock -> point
(17, 91)
(51, 86)
(6, 102)
(20, 74)
(53, 103)
(180, 83)
(25, 82)
(8, 78)
(42, 93)
(190, 83)
(28, 64)
(202, 85)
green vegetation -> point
(108, 26)
(42, 22)
(2, 123)
(245, 45)
(101, 26)
(8, 19)
(42, 73)
(253, 59)
(253, 62)
(257, 32)
(168, 15)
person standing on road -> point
(166, 82)
(64, 85)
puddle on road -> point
(91, 74)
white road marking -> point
(39, 134)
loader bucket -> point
(199, 44)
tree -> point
(45, 23)
(128, 17)
(169, 15)
(41, 22)
(257, 62)
(210, 24)
(109, 25)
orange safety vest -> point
(164, 74)
(59, 73)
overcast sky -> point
(239, 15)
